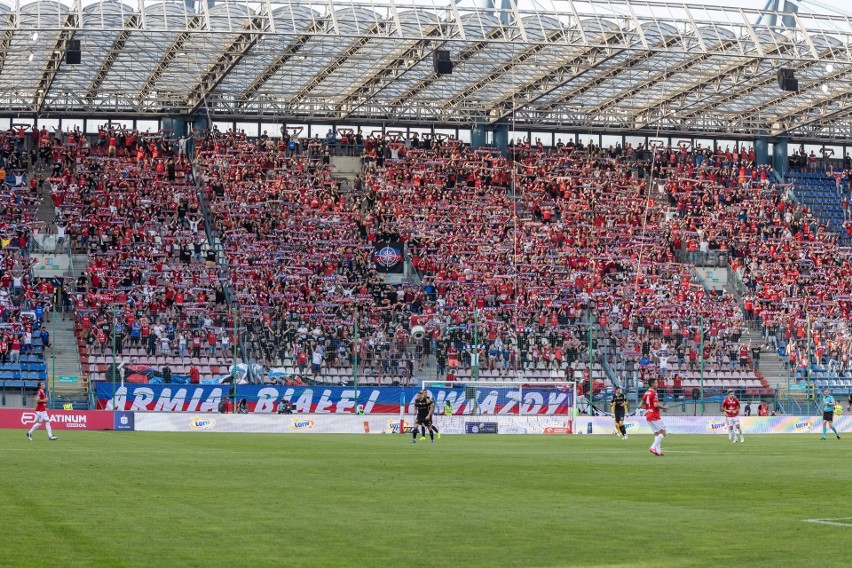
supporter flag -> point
(387, 257)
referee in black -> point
(619, 410)
(423, 406)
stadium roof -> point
(621, 65)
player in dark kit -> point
(619, 410)
(424, 406)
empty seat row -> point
(25, 375)
(19, 383)
(158, 361)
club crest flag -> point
(387, 257)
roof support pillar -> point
(501, 137)
(761, 149)
(478, 135)
(779, 156)
(174, 126)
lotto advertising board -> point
(59, 419)
(341, 423)
(714, 424)
(264, 399)
(257, 423)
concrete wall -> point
(346, 166)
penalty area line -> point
(832, 522)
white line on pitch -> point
(832, 522)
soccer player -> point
(423, 406)
(433, 430)
(619, 410)
(652, 407)
(430, 425)
(41, 414)
(828, 404)
(731, 408)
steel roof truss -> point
(377, 29)
(608, 74)
(280, 61)
(54, 60)
(397, 65)
(229, 58)
(132, 24)
(6, 38)
(504, 69)
(551, 80)
(738, 69)
(466, 54)
(194, 23)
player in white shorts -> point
(41, 414)
(731, 408)
(652, 406)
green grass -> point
(207, 499)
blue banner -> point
(330, 400)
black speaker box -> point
(73, 55)
(787, 80)
(441, 62)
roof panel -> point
(539, 60)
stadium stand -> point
(151, 298)
(296, 262)
(26, 303)
(825, 196)
(454, 210)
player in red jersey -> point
(731, 408)
(41, 414)
(652, 407)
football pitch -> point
(212, 499)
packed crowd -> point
(151, 289)
(26, 303)
(299, 258)
(512, 255)
(541, 241)
(796, 278)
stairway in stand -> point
(771, 364)
(67, 383)
(65, 380)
